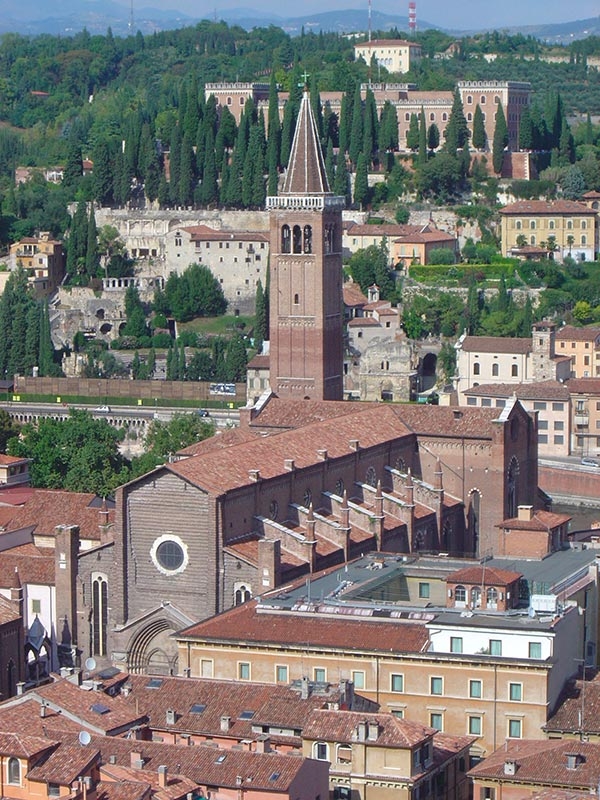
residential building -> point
(396, 55)
(576, 715)
(482, 360)
(305, 301)
(43, 260)
(582, 345)
(570, 226)
(234, 96)
(407, 244)
(585, 414)
(237, 259)
(537, 767)
(383, 623)
(381, 756)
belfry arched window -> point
(297, 239)
(286, 241)
(307, 235)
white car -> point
(102, 410)
(590, 462)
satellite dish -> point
(90, 664)
(84, 738)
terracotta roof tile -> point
(24, 714)
(122, 790)
(340, 726)
(571, 333)
(259, 362)
(545, 207)
(64, 764)
(34, 565)
(540, 390)
(203, 233)
(247, 623)
(353, 295)
(483, 574)
(542, 521)
(221, 439)
(23, 745)
(9, 611)
(496, 344)
(544, 762)
(589, 386)
(568, 715)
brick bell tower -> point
(306, 311)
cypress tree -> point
(330, 164)
(412, 135)
(103, 173)
(357, 132)
(422, 158)
(371, 127)
(46, 352)
(433, 137)
(388, 127)
(341, 184)
(187, 172)
(526, 130)
(234, 184)
(76, 242)
(210, 189)
(260, 319)
(361, 182)
(479, 136)
(175, 164)
(273, 138)
(457, 130)
(92, 259)
(500, 139)
(345, 124)
(315, 101)
(32, 337)
(73, 170)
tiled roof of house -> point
(388, 43)
(47, 508)
(200, 704)
(64, 764)
(546, 207)
(23, 714)
(6, 461)
(229, 468)
(589, 386)
(544, 762)
(203, 233)
(341, 726)
(353, 295)
(541, 521)
(97, 710)
(572, 713)
(21, 745)
(34, 565)
(539, 390)
(483, 575)
(122, 790)
(176, 787)
(496, 344)
(432, 420)
(246, 623)
(259, 361)
(364, 322)
(571, 333)
(9, 612)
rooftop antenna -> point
(130, 23)
(370, 53)
(412, 18)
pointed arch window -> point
(99, 614)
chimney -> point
(225, 723)
(372, 731)
(322, 455)
(171, 716)
(112, 760)
(162, 776)
(263, 744)
(136, 760)
(510, 767)
(304, 688)
(254, 475)
(43, 711)
(288, 464)
(20, 688)
(353, 444)
(525, 513)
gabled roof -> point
(20, 745)
(496, 344)
(571, 333)
(540, 390)
(573, 714)
(64, 764)
(541, 521)
(306, 168)
(33, 564)
(547, 208)
(340, 726)
(483, 575)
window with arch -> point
(496, 99)
(229, 101)
(532, 240)
(460, 596)
(307, 238)
(518, 225)
(344, 754)
(242, 594)
(583, 225)
(99, 614)
(569, 224)
(514, 370)
(583, 239)
(307, 499)
(286, 239)
(297, 239)
(371, 477)
(14, 771)
(476, 368)
(469, 99)
(444, 117)
(296, 299)
(407, 117)
(321, 751)
(482, 100)
(532, 224)
(432, 117)
(551, 225)
(475, 597)
(469, 117)
(339, 487)
(491, 598)
(495, 370)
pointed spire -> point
(306, 168)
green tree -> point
(79, 454)
(166, 438)
(412, 134)
(479, 135)
(357, 130)
(433, 137)
(361, 181)
(500, 141)
(92, 260)
(457, 130)
(260, 319)
(134, 311)
(236, 359)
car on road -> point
(202, 412)
(590, 462)
(102, 410)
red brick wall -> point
(570, 483)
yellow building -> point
(582, 345)
(42, 258)
(396, 55)
(560, 229)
